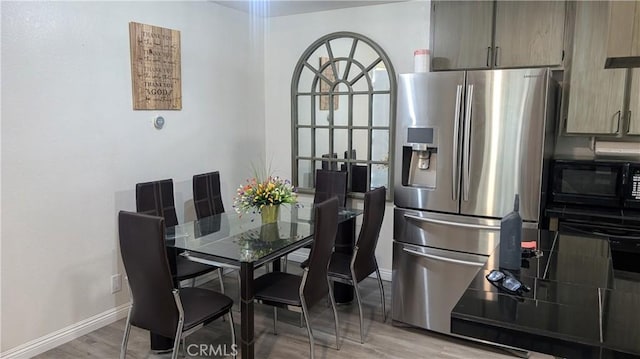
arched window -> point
(343, 105)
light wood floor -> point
(382, 339)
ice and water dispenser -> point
(420, 157)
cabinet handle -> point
(489, 56)
(629, 123)
(618, 122)
(496, 56)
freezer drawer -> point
(445, 231)
(427, 283)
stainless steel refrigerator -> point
(466, 143)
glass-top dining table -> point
(231, 240)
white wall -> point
(398, 28)
(73, 148)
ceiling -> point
(272, 8)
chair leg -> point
(233, 333)
(221, 282)
(355, 287)
(305, 312)
(125, 338)
(284, 265)
(176, 342)
(384, 310)
(193, 282)
(180, 326)
(335, 312)
(275, 320)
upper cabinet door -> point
(529, 33)
(624, 29)
(634, 104)
(596, 94)
(461, 34)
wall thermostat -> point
(158, 122)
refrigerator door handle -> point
(443, 259)
(456, 150)
(454, 224)
(467, 144)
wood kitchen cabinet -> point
(634, 104)
(595, 94)
(461, 35)
(624, 33)
(527, 34)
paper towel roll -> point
(607, 148)
(421, 60)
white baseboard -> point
(299, 256)
(302, 254)
(200, 280)
(64, 335)
(385, 274)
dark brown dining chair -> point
(156, 198)
(300, 293)
(357, 181)
(329, 184)
(329, 161)
(352, 269)
(156, 305)
(207, 198)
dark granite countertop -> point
(578, 306)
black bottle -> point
(511, 238)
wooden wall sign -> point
(155, 67)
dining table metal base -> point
(247, 291)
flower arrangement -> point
(258, 194)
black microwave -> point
(596, 183)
